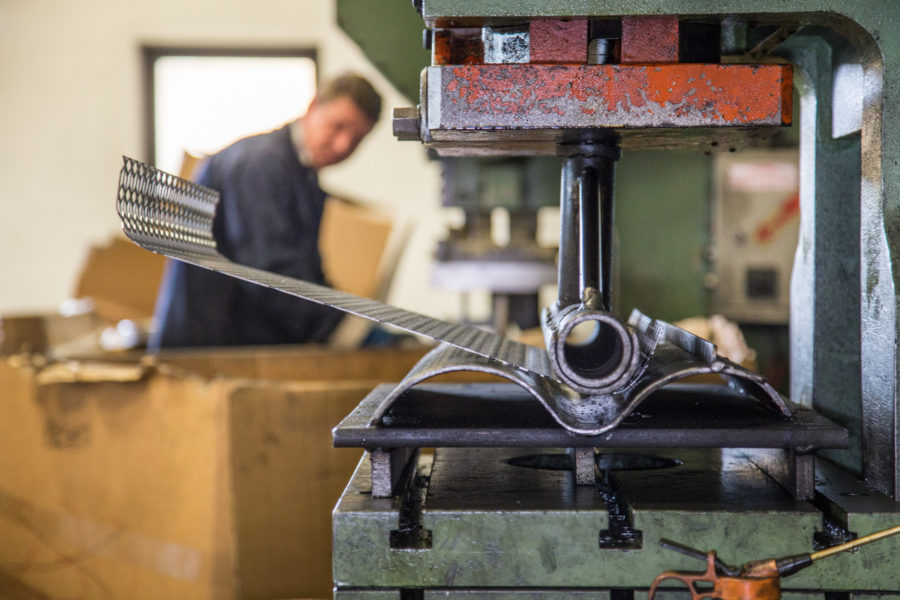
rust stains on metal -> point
(650, 39)
(674, 95)
(457, 47)
(556, 41)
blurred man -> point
(268, 217)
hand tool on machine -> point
(756, 580)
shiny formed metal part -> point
(609, 360)
(570, 409)
(593, 414)
(171, 216)
(164, 211)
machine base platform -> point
(490, 522)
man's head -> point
(344, 110)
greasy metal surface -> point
(528, 527)
(577, 97)
(586, 202)
(546, 141)
(858, 510)
(846, 500)
(172, 216)
(496, 414)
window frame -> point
(150, 54)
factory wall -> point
(71, 98)
(662, 226)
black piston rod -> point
(589, 348)
(586, 225)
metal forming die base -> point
(495, 528)
(681, 415)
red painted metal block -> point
(441, 47)
(556, 41)
(568, 96)
(650, 39)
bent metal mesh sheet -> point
(174, 217)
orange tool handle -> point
(767, 587)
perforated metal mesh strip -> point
(171, 216)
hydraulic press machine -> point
(562, 482)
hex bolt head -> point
(406, 123)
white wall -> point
(70, 106)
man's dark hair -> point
(357, 88)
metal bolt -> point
(598, 51)
(406, 123)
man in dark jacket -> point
(268, 217)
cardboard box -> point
(49, 334)
(198, 475)
(353, 240)
(121, 279)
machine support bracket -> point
(388, 466)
